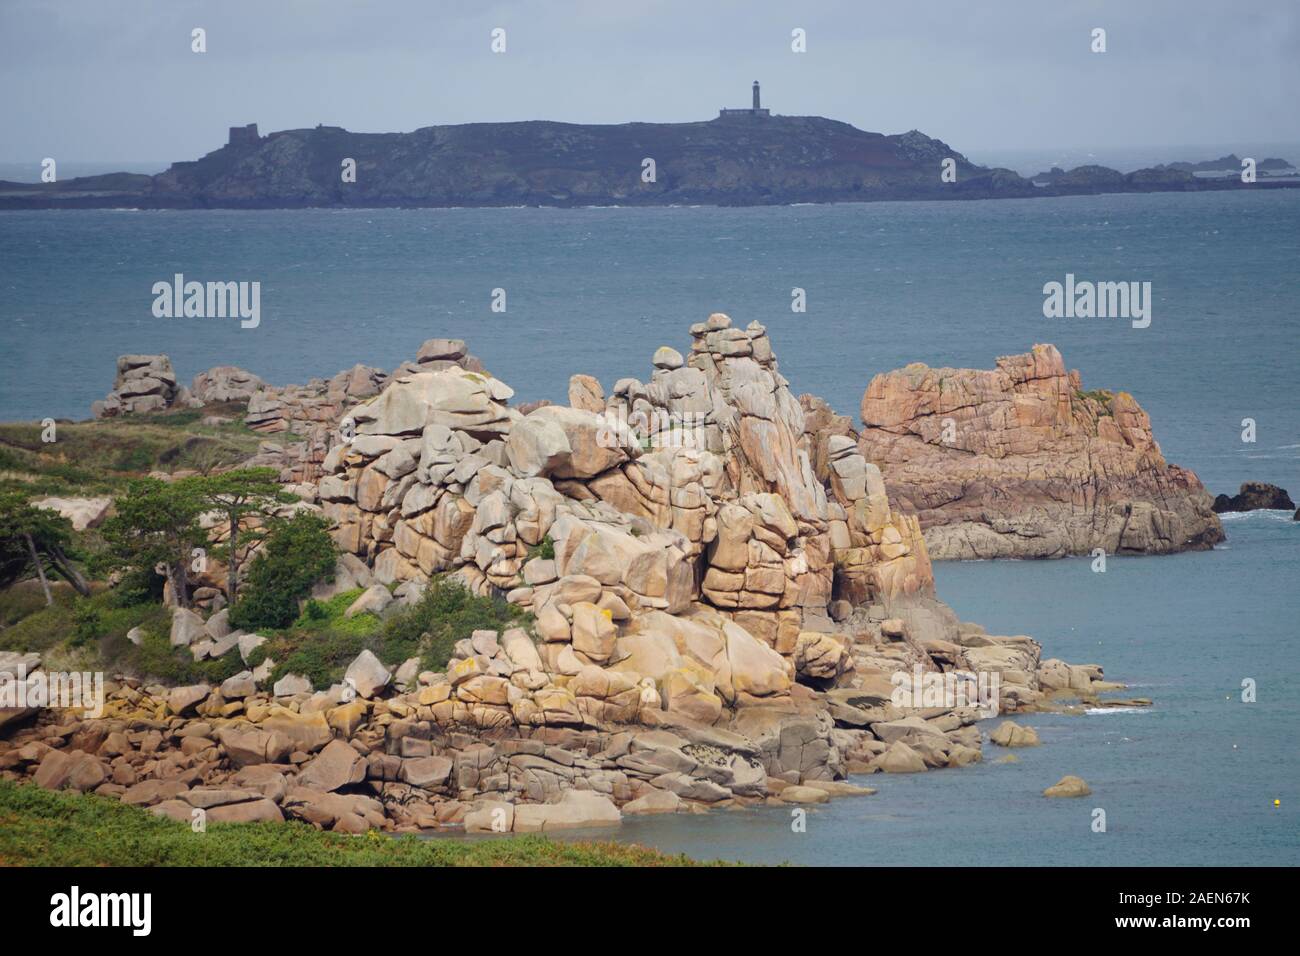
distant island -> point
(744, 157)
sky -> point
(116, 81)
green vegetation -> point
(240, 495)
(92, 632)
(321, 643)
(545, 550)
(40, 828)
(154, 659)
(1102, 396)
(99, 457)
(157, 523)
(296, 554)
(446, 613)
(38, 540)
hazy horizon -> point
(113, 83)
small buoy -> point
(1277, 803)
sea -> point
(1200, 777)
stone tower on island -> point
(754, 111)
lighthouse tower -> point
(754, 112)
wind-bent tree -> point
(32, 537)
(238, 495)
(157, 524)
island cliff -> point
(745, 160)
(1020, 462)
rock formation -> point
(723, 602)
(1020, 462)
(144, 383)
(1254, 496)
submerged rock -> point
(1068, 786)
(1255, 496)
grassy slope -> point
(40, 828)
(99, 457)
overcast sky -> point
(108, 80)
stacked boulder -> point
(144, 383)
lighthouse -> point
(754, 112)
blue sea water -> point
(597, 290)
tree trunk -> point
(40, 570)
(69, 571)
(233, 563)
(183, 583)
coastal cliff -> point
(1020, 462)
(738, 161)
(707, 599)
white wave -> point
(1096, 711)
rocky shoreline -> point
(723, 605)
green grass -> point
(92, 631)
(40, 828)
(97, 457)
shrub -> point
(85, 623)
(545, 550)
(321, 643)
(298, 552)
(156, 659)
(447, 613)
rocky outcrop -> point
(1254, 496)
(144, 383)
(1020, 462)
(725, 609)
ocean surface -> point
(1191, 780)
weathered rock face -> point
(1254, 496)
(1019, 461)
(144, 383)
(697, 486)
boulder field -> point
(1021, 462)
(722, 594)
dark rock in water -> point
(1256, 496)
(1297, 515)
